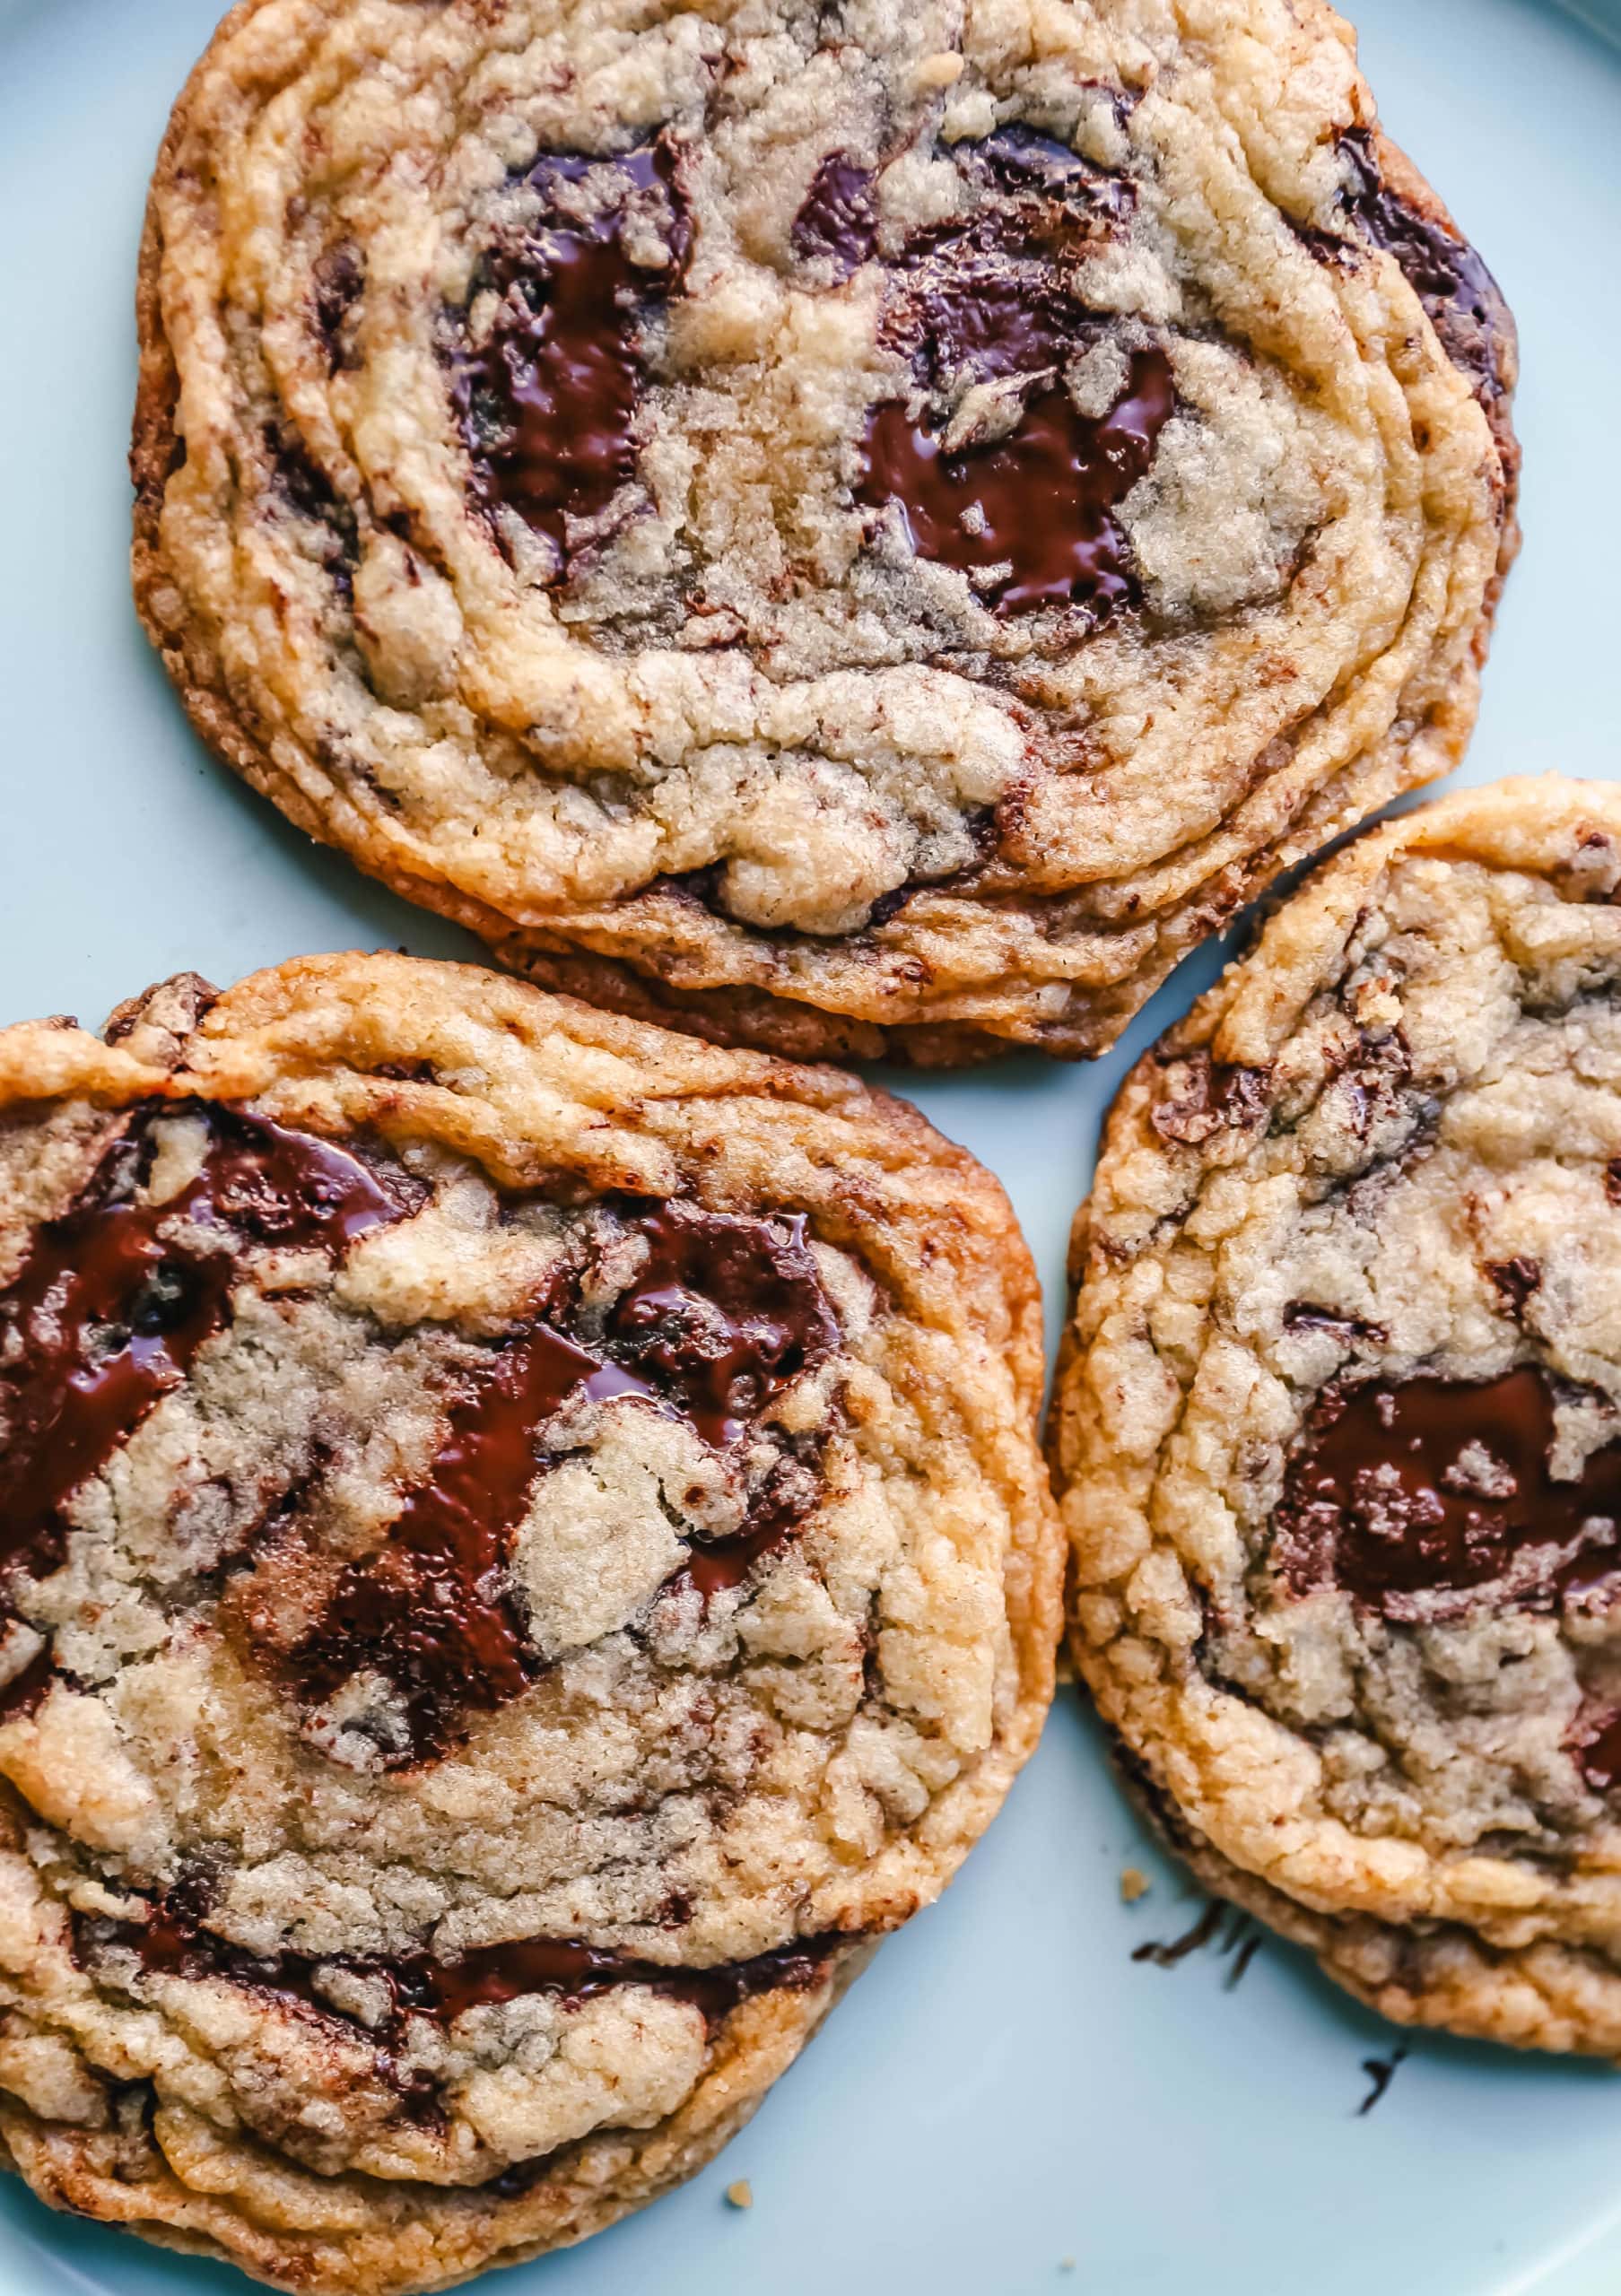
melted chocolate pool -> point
(174, 1942)
(726, 1311)
(430, 1610)
(1040, 501)
(116, 1298)
(837, 219)
(548, 405)
(993, 298)
(1437, 1488)
(1024, 163)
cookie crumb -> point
(741, 2195)
(1134, 1884)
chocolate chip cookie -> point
(861, 528)
(524, 1554)
(1339, 1425)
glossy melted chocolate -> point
(548, 406)
(1040, 501)
(1024, 162)
(28, 1686)
(838, 220)
(1212, 1096)
(1437, 1488)
(174, 1942)
(429, 1609)
(115, 1297)
(979, 311)
(1464, 301)
(726, 1311)
(992, 297)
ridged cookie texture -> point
(858, 528)
(1337, 1427)
(525, 1552)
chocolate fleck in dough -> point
(525, 1553)
(854, 531)
(1337, 1425)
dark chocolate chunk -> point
(430, 1609)
(1464, 301)
(989, 297)
(548, 405)
(496, 1973)
(994, 297)
(888, 906)
(837, 219)
(1038, 503)
(726, 1311)
(1514, 1281)
(1439, 1488)
(1214, 1096)
(775, 1513)
(306, 487)
(338, 277)
(1372, 1074)
(700, 885)
(28, 1686)
(1304, 1315)
(1022, 160)
(1465, 304)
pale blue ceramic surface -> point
(1006, 2090)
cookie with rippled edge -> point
(525, 1552)
(1338, 1424)
(853, 530)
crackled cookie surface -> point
(523, 1553)
(867, 528)
(1339, 1425)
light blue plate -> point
(1006, 2090)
